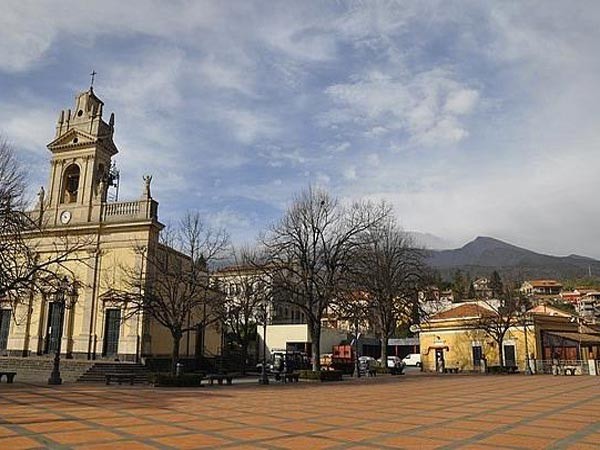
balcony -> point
(126, 211)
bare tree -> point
(28, 262)
(245, 289)
(173, 287)
(309, 250)
(500, 316)
(388, 268)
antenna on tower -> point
(114, 178)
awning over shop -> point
(583, 338)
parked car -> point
(367, 365)
(412, 359)
(395, 364)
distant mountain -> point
(486, 254)
(430, 241)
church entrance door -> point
(112, 327)
(4, 328)
(55, 322)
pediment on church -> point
(72, 138)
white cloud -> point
(248, 126)
(504, 97)
(462, 101)
(426, 106)
(350, 173)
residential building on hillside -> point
(588, 307)
(541, 287)
(482, 288)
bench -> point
(570, 370)
(10, 376)
(119, 377)
(219, 378)
(451, 369)
(291, 377)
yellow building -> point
(455, 339)
(112, 237)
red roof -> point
(463, 311)
(544, 283)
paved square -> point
(397, 412)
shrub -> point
(184, 380)
(502, 369)
(323, 375)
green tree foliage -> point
(496, 285)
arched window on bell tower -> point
(70, 184)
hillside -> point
(485, 254)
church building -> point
(117, 236)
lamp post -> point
(263, 317)
(64, 290)
(356, 360)
(527, 366)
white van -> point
(412, 359)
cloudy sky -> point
(471, 118)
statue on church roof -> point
(41, 197)
(147, 181)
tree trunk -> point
(175, 352)
(500, 352)
(384, 343)
(244, 356)
(315, 336)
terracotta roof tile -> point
(462, 311)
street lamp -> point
(356, 360)
(527, 366)
(65, 298)
(262, 317)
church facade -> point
(116, 237)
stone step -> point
(97, 372)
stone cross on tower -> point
(93, 75)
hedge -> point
(323, 375)
(184, 380)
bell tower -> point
(82, 152)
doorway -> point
(4, 328)
(509, 355)
(54, 327)
(112, 328)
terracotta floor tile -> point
(251, 434)
(117, 445)
(447, 433)
(4, 432)
(192, 441)
(19, 443)
(513, 440)
(297, 426)
(83, 436)
(349, 434)
(583, 446)
(61, 425)
(154, 430)
(543, 432)
(411, 442)
(120, 422)
(208, 425)
(388, 427)
(303, 443)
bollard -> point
(178, 369)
